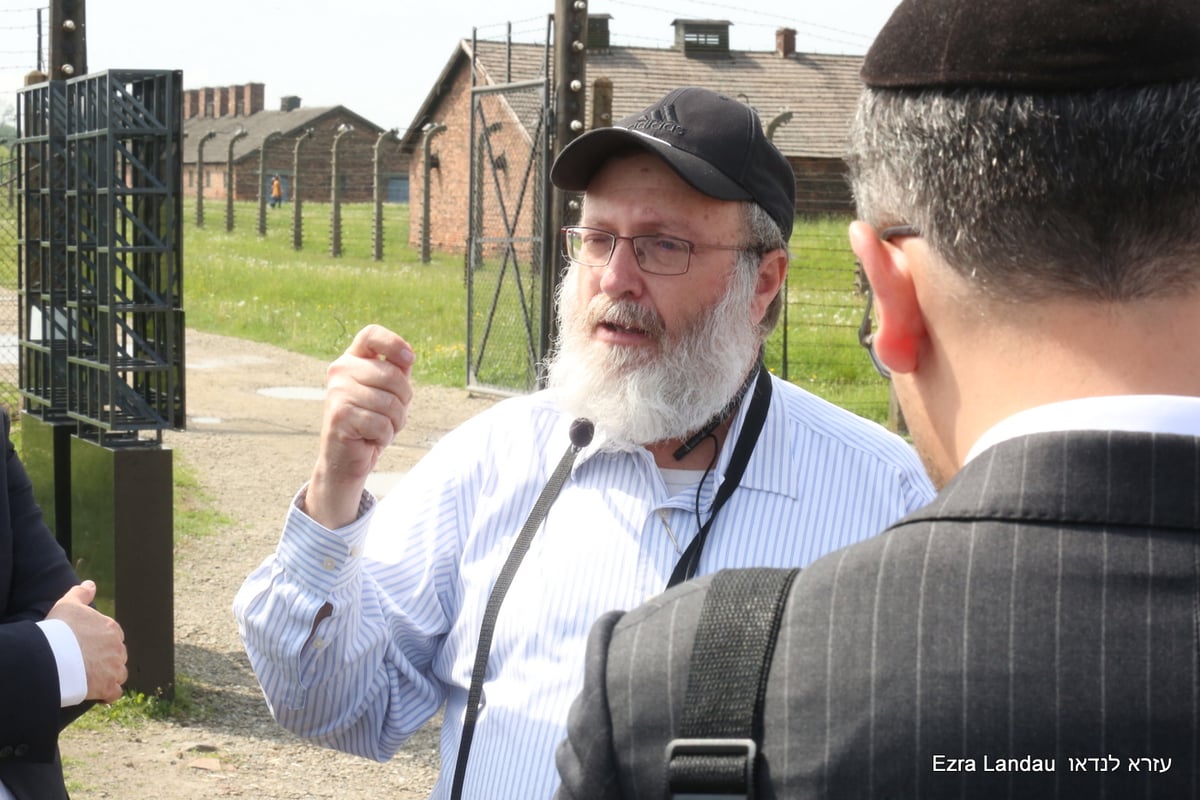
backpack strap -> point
(720, 736)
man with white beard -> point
(368, 617)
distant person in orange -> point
(276, 191)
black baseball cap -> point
(1035, 45)
(713, 142)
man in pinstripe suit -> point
(1027, 175)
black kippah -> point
(1036, 45)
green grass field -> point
(260, 288)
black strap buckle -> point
(711, 769)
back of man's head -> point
(1044, 148)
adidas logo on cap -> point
(662, 118)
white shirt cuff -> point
(72, 674)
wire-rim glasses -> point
(655, 253)
(866, 337)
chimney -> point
(207, 102)
(598, 32)
(785, 42)
(702, 37)
(254, 97)
(289, 102)
(191, 104)
(225, 101)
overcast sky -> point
(379, 58)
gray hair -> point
(1089, 195)
(762, 235)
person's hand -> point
(100, 639)
(367, 392)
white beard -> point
(637, 398)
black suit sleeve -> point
(34, 573)
(586, 761)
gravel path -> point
(253, 416)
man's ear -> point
(901, 328)
(772, 269)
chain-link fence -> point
(509, 255)
(816, 343)
(10, 395)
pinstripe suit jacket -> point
(1045, 607)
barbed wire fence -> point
(815, 345)
(357, 226)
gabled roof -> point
(819, 90)
(257, 126)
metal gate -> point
(510, 252)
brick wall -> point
(449, 183)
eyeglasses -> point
(865, 336)
(658, 255)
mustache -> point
(603, 310)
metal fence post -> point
(262, 183)
(200, 177)
(427, 166)
(379, 195)
(335, 194)
(297, 220)
(229, 187)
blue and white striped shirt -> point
(409, 580)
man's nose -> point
(622, 276)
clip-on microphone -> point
(581, 433)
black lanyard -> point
(756, 415)
(581, 436)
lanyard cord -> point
(756, 415)
(581, 436)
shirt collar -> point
(762, 472)
(1146, 413)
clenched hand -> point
(368, 390)
(100, 639)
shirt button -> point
(356, 551)
(329, 564)
(318, 643)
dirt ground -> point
(254, 413)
